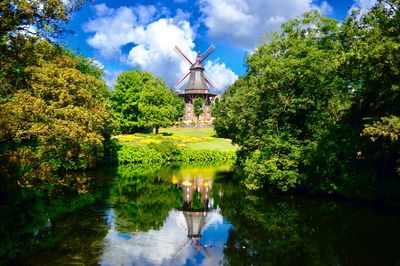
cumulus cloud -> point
(153, 39)
(244, 22)
(154, 48)
(113, 28)
(363, 5)
(220, 75)
(167, 246)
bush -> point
(169, 152)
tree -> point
(289, 97)
(39, 18)
(157, 105)
(125, 99)
(198, 107)
(318, 108)
(62, 122)
(364, 158)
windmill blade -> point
(182, 54)
(208, 52)
(205, 252)
(182, 79)
(178, 249)
(209, 82)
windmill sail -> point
(197, 87)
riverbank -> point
(175, 145)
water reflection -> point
(192, 233)
(154, 215)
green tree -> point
(157, 105)
(216, 107)
(125, 99)
(363, 147)
(289, 97)
(198, 107)
(319, 107)
(40, 18)
(62, 122)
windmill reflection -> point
(197, 202)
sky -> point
(140, 34)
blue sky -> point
(123, 35)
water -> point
(190, 215)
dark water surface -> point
(190, 215)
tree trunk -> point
(156, 129)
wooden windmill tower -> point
(197, 87)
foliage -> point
(125, 98)
(40, 18)
(364, 160)
(198, 106)
(60, 120)
(157, 105)
(269, 229)
(142, 200)
(180, 107)
(318, 107)
(33, 222)
(138, 154)
(206, 156)
(143, 101)
(168, 149)
(215, 108)
(285, 101)
(168, 152)
(387, 128)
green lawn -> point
(190, 132)
(186, 138)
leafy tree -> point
(125, 99)
(289, 97)
(198, 107)
(180, 107)
(319, 107)
(40, 18)
(216, 107)
(157, 105)
(61, 122)
(363, 148)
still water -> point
(190, 215)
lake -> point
(190, 215)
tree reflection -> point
(67, 222)
(276, 230)
(142, 197)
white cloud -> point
(153, 39)
(325, 8)
(363, 5)
(154, 50)
(167, 246)
(220, 75)
(111, 76)
(113, 28)
(244, 22)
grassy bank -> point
(185, 138)
(176, 145)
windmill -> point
(196, 217)
(197, 87)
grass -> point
(186, 138)
(190, 132)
